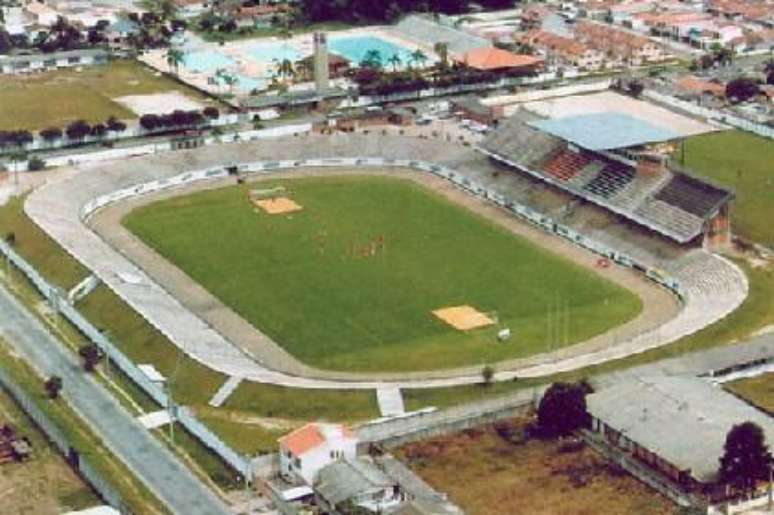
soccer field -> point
(743, 162)
(350, 281)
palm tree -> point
(284, 68)
(442, 49)
(419, 57)
(372, 59)
(174, 58)
(395, 61)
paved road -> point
(164, 474)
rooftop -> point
(312, 436)
(684, 420)
(495, 58)
(345, 479)
(605, 131)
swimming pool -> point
(206, 61)
(268, 52)
(355, 48)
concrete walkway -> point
(144, 454)
(714, 287)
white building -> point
(53, 61)
(310, 448)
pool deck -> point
(260, 71)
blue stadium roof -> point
(604, 131)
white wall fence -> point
(755, 505)
(58, 300)
(164, 146)
(711, 114)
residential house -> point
(563, 50)
(356, 483)
(619, 46)
(303, 452)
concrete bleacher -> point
(670, 203)
(610, 180)
(566, 164)
(692, 195)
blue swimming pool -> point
(355, 48)
(203, 61)
(268, 52)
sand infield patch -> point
(463, 318)
(278, 206)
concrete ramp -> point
(390, 402)
(155, 419)
(225, 391)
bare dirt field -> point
(44, 484)
(486, 475)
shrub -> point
(35, 164)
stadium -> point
(586, 191)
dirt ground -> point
(485, 474)
(44, 484)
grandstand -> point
(617, 162)
(427, 32)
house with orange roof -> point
(620, 46)
(497, 60)
(554, 47)
(305, 451)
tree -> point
(372, 59)
(487, 375)
(99, 130)
(562, 409)
(742, 89)
(91, 356)
(51, 134)
(746, 457)
(174, 58)
(635, 88)
(53, 386)
(211, 112)
(78, 130)
(115, 125)
(419, 57)
(149, 122)
(395, 61)
(442, 49)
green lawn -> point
(309, 282)
(744, 162)
(757, 390)
(59, 97)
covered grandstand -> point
(618, 162)
(426, 31)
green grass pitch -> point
(745, 162)
(309, 281)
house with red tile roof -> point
(498, 60)
(566, 50)
(303, 452)
(620, 46)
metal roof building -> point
(605, 131)
(681, 421)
